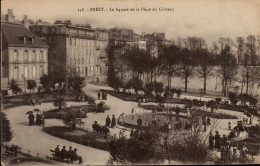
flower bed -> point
(91, 139)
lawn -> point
(133, 97)
(192, 111)
(55, 114)
(84, 137)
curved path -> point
(33, 138)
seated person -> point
(57, 151)
(76, 156)
(63, 153)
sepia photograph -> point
(130, 82)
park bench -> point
(61, 156)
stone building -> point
(24, 55)
(74, 49)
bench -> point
(61, 156)
(11, 150)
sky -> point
(209, 19)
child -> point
(229, 125)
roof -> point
(12, 35)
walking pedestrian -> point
(217, 141)
(211, 141)
(229, 125)
(177, 110)
(99, 94)
(103, 95)
(108, 121)
(208, 121)
(139, 122)
(113, 124)
(31, 119)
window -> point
(78, 61)
(41, 55)
(70, 41)
(15, 55)
(90, 52)
(82, 61)
(41, 70)
(86, 51)
(34, 55)
(75, 61)
(16, 72)
(34, 71)
(26, 55)
(26, 71)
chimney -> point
(25, 17)
(10, 11)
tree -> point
(233, 98)
(14, 87)
(227, 67)
(149, 87)
(6, 133)
(76, 83)
(186, 69)
(135, 83)
(170, 58)
(205, 66)
(59, 102)
(45, 81)
(158, 87)
(31, 84)
(147, 148)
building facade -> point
(24, 56)
(74, 49)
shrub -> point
(135, 83)
(233, 98)
(14, 87)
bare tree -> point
(205, 66)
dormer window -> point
(22, 38)
(31, 39)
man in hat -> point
(57, 152)
(244, 152)
(217, 141)
(63, 153)
(211, 141)
(108, 121)
(76, 156)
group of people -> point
(102, 94)
(109, 122)
(39, 119)
(70, 155)
(224, 146)
(100, 129)
(247, 118)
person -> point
(122, 118)
(244, 152)
(229, 125)
(121, 133)
(31, 119)
(103, 95)
(217, 141)
(208, 121)
(70, 154)
(63, 153)
(211, 141)
(108, 121)
(224, 140)
(212, 108)
(232, 134)
(139, 122)
(99, 94)
(76, 156)
(177, 110)
(38, 119)
(132, 133)
(223, 153)
(204, 123)
(234, 155)
(43, 120)
(57, 152)
(113, 124)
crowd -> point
(224, 144)
(70, 155)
